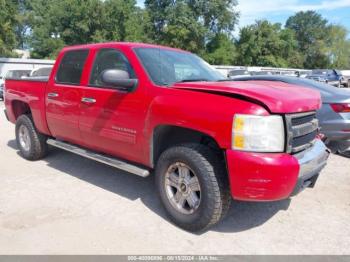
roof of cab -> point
(120, 44)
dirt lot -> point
(66, 204)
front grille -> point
(302, 130)
(302, 119)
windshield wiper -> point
(193, 80)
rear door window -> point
(71, 67)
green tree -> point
(218, 16)
(8, 42)
(338, 47)
(220, 50)
(22, 28)
(266, 44)
(311, 32)
(182, 29)
(124, 21)
(190, 24)
(158, 12)
(137, 25)
(71, 22)
(44, 39)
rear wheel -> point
(192, 183)
(31, 143)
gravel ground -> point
(66, 204)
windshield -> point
(166, 67)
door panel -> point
(111, 120)
(114, 123)
(63, 96)
(62, 112)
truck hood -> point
(278, 97)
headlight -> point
(258, 133)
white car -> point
(346, 78)
(41, 72)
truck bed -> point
(31, 91)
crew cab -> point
(149, 109)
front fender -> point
(210, 114)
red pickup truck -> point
(144, 108)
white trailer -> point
(224, 70)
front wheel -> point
(193, 186)
(31, 143)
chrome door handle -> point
(52, 95)
(88, 100)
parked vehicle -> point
(329, 76)
(2, 90)
(2, 83)
(17, 74)
(286, 73)
(41, 72)
(260, 73)
(301, 74)
(144, 108)
(346, 154)
(9, 64)
(237, 72)
(346, 78)
(334, 115)
(14, 74)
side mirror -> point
(118, 79)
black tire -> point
(215, 197)
(38, 147)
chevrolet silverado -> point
(151, 109)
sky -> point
(278, 11)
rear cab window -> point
(71, 67)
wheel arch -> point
(165, 136)
(20, 108)
(17, 107)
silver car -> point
(334, 115)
